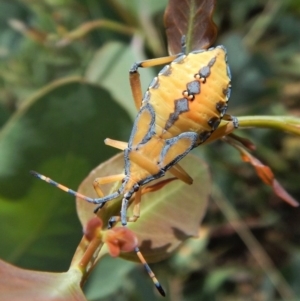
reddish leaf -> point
(23, 285)
(244, 141)
(192, 18)
(263, 171)
(267, 176)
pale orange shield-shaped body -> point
(181, 108)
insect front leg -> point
(134, 76)
(234, 120)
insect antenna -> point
(150, 272)
(62, 187)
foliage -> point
(64, 89)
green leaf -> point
(217, 278)
(9, 38)
(102, 284)
(58, 132)
(110, 68)
(137, 7)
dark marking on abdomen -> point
(214, 122)
(204, 136)
(193, 87)
(181, 106)
(221, 107)
(204, 72)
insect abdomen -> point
(191, 95)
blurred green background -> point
(64, 89)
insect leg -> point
(150, 272)
(123, 217)
(99, 181)
(116, 144)
(102, 200)
(136, 206)
(181, 174)
(134, 76)
(106, 180)
(136, 214)
(62, 187)
(233, 119)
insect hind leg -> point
(149, 271)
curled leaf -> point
(119, 239)
(192, 18)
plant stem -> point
(282, 123)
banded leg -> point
(149, 271)
(101, 201)
(136, 215)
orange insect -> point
(183, 105)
